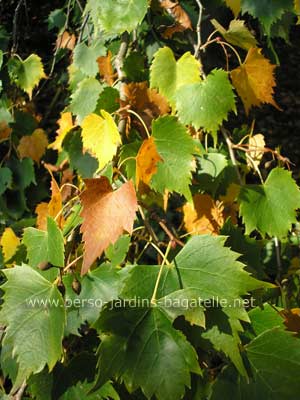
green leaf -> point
(26, 74)
(40, 385)
(23, 172)
(117, 252)
(270, 208)
(84, 99)
(108, 100)
(5, 179)
(237, 34)
(275, 359)
(82, 391)
(267, 11)
(207, 104)
(85, 58)
(168, 76)
(118, 16)
(139, 343)
(265, 318)
(34, 317)
(85, 164)
(57, 19)
(43, 246)
(176, 148)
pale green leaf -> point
(207, 104)
(237, 34)
(85, 58)
(84, 99)
(270, 208)
(168, 76)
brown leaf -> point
(204, 216)
(105, 68)
(106, 214)
(292, 319)
(182, 20)
(33, 146)
(148, 103)
(5, 131)
(66, 41)
(146, 162)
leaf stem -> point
(164, 261)
(141, 120)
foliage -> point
(149, 240)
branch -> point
(119, 61)
(20, 392)
(15, 24)
(198, 29)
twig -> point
(119, 61)
(198, 29)
(231, 154)
(278, 258)
(20, 392)
(15, 25)
(165, 259)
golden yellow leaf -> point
(33, 146)
(42, 213)
(204, 216)
(100, 136)
(235, 6)
(65, 124)
(146, 161)
(256, 145)
(254, 80)
(9, 243)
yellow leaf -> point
(146, 161)
(254, 80)
(235, 6)
(256, 145)
(65, 124)
(229, 202)
(100, 136)
(42, 213)
(9, 243)
(297, 9)
(33, 146)
(204, 216)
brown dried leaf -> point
(106, 215)
(182, 20)
(106, 69)
(292, 319)
(5, 131)
(66, 41)
(33, 146)
(256, 145)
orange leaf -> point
(146, 161)
(65, 124)
(106, 214)
(204, 216)
(66, 41)
(292, 319)
(254, 80)
(42, 213)
(105, 68)
(182, 20)
(33, 146)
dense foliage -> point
(149, 237)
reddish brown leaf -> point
(292, 319)
(106, 215)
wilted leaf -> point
(146, 161)
(106, 69)
(65, 124)
(254, 80)
(106, 215)
(256, 145)
(28, 73)
(5, 131)
(100, 136)
(237, 34)
(33, 146)
(66, 41)
(182, 20)
(203, 216)
(9, 243)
